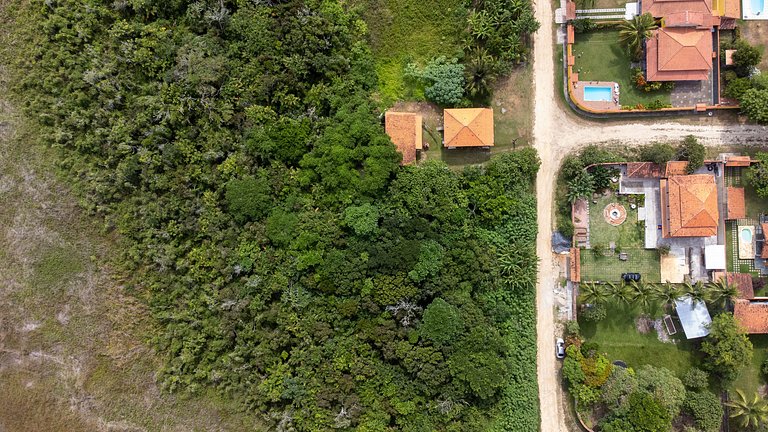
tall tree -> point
(697, 292)
(667, 293)
(722, 293)
(634, 32)
(727, 347)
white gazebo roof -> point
(714, 257)
(694, 318)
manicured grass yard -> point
(618, 337)
(629, 234)
(600, 57)
(751, 377)
(610, 268)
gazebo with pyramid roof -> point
(689, 206)
(468, 127)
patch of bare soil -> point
(513, 108)
(644, 324)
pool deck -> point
(578, 94)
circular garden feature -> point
(615, 214)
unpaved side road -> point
(557, 133)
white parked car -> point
(560, 348)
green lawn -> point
(630, 234)
(404, 31)
(610, 268)
(619, 338)
(600, 57)
(751, 377)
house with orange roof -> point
(689, 206)
(404, 129)
(468, 127)
(683, 48)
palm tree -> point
(721, 291)
(479, 72)
(641, 294)
(667, 294)
(619, 293)
(633, 33)
(594, 293)
(748, 413)
(696, 292)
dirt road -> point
(557, 133)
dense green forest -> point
(287, 258)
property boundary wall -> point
(700, 109)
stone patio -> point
(689, 93)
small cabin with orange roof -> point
(468, 127)
(404, 129)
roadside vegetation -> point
(290, 265)
(428, 50)
(743, 80)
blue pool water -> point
(595, 94)
(756, 9)
(746, 235)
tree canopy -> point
(288, 260)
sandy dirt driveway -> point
(558, 133)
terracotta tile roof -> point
(468, 127)
(753, 316)
(570, 10)
(675, 168)
(742, 281)
(643, 170)
(736, 206)
(404, 129)
(732, 9)
(687, 19)
(570, 36)
(663, 8)
(679, 54)
(764, 252)
(575, 265)
(689, 206)
(727, 8)
(738, 161)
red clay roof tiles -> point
(736, 206)
(689, 206)
(404, 129)
(753, 316)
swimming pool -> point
(754, 10)
(746, 242)
(598, 94)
